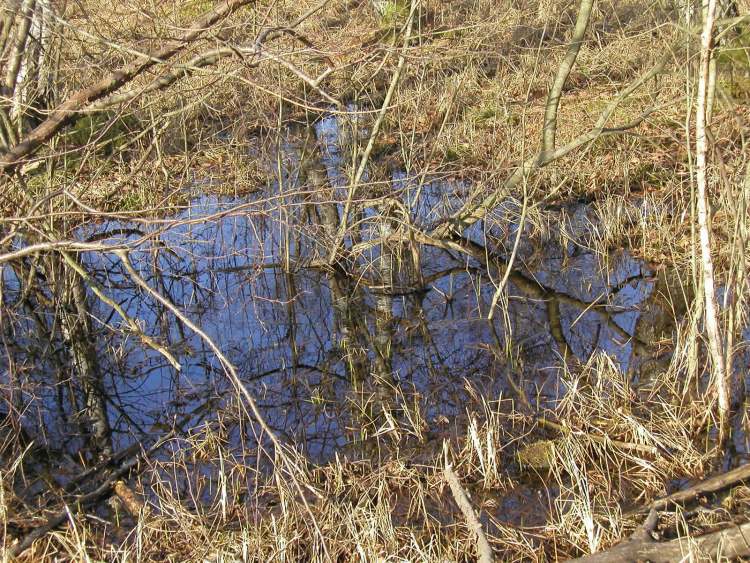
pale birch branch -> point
(99, 292)
(484, 550)
(563, 71)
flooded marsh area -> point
(374, 281)
(406, 347)
(408, 323)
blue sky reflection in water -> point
(224, 266)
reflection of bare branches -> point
(134, 327)
(526, 283)
(354, 184)
(291, 466)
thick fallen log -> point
(708, 486)
(727, 543)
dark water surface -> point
(247, 270)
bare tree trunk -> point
(26, 84)
(16, 28)
(384, 299)
(78, 334)
(6, 24)
(720, 376)
(34, 91)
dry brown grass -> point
(208, 501)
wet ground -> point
(251, 272)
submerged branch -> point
(83, 501)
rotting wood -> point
(708, 486)
(133, 505)
(726, 543)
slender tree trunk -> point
(549, 131)
(713, 332)
(384, 299)
(78, 335)
(13, 70)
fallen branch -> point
(231, 372)
(484, 550)
(727, 543)
(711, 485)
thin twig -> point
(512, 258)
(373, 135)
